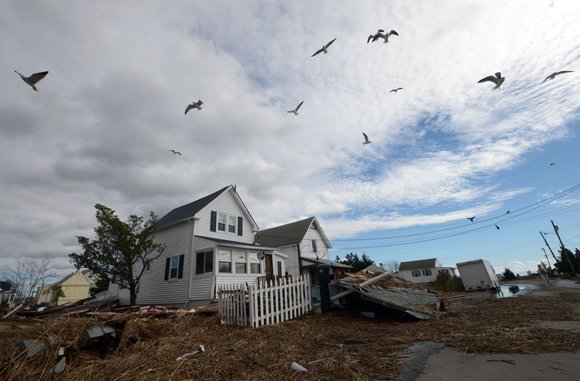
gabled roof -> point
(60, 282)
(189, 210)
(289, 234)
(418, 265)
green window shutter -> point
(167, 268)
(240, 224)
(213, 221)
(180, 269)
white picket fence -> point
(265, 302)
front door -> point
(269, 266)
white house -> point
(423, 271)
(209, 242)
(305, 244)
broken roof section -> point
(390, 291)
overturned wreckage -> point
(386, 295)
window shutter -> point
(213, 221)
(167, 268)
(240, 224)
(180, 270)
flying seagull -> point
(295, 111)
(380, 34)
(33, 79)
(367, 141)
(508, 212)
(552, 164)
(395, 90)
(471, 218)
(497, 227)
(553, 75)
(497, 79)
(198, 105)
(175, 152)
(324, 49)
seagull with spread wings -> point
(324, 48)
(395, 90)
(381, 34)
(471, 218)
(33, 79)
(198, 105)
(553, 75)
(497, 79)
(175, 152)
(367, 141)
(295, 111)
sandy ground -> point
(431, 361)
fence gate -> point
(265, 302)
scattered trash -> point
(298, 368)
(198, 350)
(30, 347)
(59, 367)
(97, 331)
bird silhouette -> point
(295, 111)
(553, 75)
(367, 141)
(508, 212)
(33, 79)
(395, 90)
(324, 48)
(497, 79)
(380, 34)
(471, 218)
(552, 164)
(198, 105)
(175, 152)
(497, 227)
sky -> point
(444, 148)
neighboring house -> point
(305, 244)
(209, 242)
(423, 271)
(69, 289)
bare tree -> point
(390, 266)
(28, 275)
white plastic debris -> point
(298, 368)
(198, 350)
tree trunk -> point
(132, 295)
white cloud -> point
(101, 124)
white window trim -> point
(227, 223)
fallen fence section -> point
(266, 302)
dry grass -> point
(333, 346)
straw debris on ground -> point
(334, 346)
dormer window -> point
(314, 248)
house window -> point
(427, 272)
(225, 261)
(174, 267)
(231, 224)
(255, 264)
(279, 267)
(314, 249)
(226, 223)
(240, 261)
(415, 273)
(222, 222)
(148, 266)
(204, 262)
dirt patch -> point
(337, 345)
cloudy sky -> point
(443, 149)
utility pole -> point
(546, 242)
(546, 255)
(562, 248)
